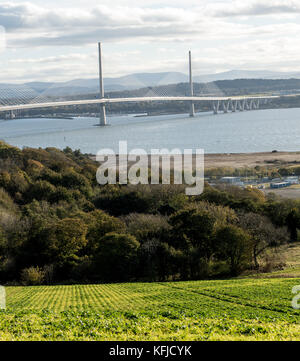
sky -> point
(43, 40)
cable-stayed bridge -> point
(27, 99)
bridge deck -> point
(126, 100)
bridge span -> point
(222, 100)
(219, 103)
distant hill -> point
(246, 74)
(217, 88)
(135, 81)
(86, 86)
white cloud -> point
(263, 56)
(32, 25)
(255, 8)
(53, 59)
(56, 40)
(2, 39)
(28, 24)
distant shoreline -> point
(241, 160)
(251, 160)
(142, 114)
(41, 117)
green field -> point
(240, 309)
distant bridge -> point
(230, 103)
(220, 103)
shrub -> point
(41, 190)
(274, 260)
(6, 202)
(32, 276)
(49, 273)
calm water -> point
(259, 130)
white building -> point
(292, 180)
(231, 180)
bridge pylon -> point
(101, 88)
(192, 106)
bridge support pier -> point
(234, 106)
(10, 115)
(242, 105)
(216, 107)
(256, 104)
(226, 106)
(192, 110)
(251, 105)
(102, 115)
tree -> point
(293, 223)
(124, 202)
(67, 239)
(71, 179)
(264, 234)
(101, 223)
(116, 258)
(192, 233)
(3, 244)
(167, 261)
(41, 190)
(147, 226)
(193, 228)
(233, 246)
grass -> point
(239, 309)
(288, 192)
(290, 254)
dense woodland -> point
(58, 225)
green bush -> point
(32, 276)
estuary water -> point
(240, 132)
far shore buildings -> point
(231, 180)
(263, 183)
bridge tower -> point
(192, 109)
(101, 87)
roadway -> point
(137, 99)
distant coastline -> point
(251, 160)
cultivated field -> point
(240, 309)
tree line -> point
(58, 225)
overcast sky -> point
(43, 40)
